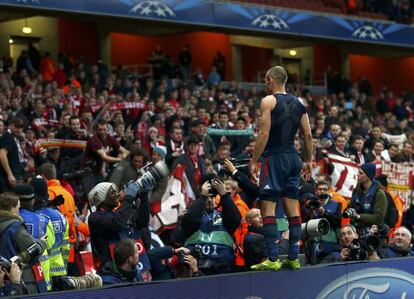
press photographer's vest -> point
(36, 226)
(366, 201)
(129, 233)
(59, 224)
(216, 243)
(329, 242)
(8, 249)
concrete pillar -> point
(105, 46)
(237, 62)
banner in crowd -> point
(178, 194)
(345, 174)
(252, 17)
(400, 180)
(385, 279)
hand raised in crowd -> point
(219, 186)
(205, 189)
(229, 166)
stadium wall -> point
(129, 49)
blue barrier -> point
(388, 279)
(238, 16)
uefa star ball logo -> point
(368, 32)
(269, 21)
(153, 8)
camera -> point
(315, 228)
(313, 202)
(350, 212)
(196, 252)
(77, 175)
(356, 252)
(151, 173)
(240, 164)
(25, 256)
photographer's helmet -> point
(98, 194)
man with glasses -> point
(323, 206)
(11, 156)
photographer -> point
(323, 206)
(183, 263)
(108, 224)
(352, 248)
(12, 285)
(369, 203)
(401, 246)
(204, 225)
(16, 239)
(124, 267)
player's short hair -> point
(279, 74)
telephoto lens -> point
(151, 174)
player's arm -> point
(266, 107)
(307, 135)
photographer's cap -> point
(24, 191)
(98, 194)
(160, 150)
(369, 169)
(39, 185)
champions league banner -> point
(238, 16)
(382, 279)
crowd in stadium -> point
(74, 135)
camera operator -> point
(16, 239)
(124, 267)
(323, 206)
(183, 263)
(369, 203)
(108, 224)
(401, 246)
(205, 225)
(12, 285)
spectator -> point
(407, 152)
(198, 130)
(124, 268)
(213, 77)
(127, 169)
(358, 154)
(16, 239)
(192, 163)
(174, 145)
(203, 221)
(11, 156)
(185, 62)
(392, 154)
(254, 243)
(219, 62)
(401, 247)
(98, 149)
(47, 68)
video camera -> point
(24, 257)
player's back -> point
(285, 121)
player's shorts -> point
(279, 176)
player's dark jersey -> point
(285, 121)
